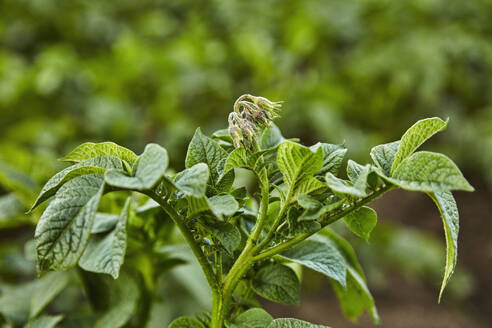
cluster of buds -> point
(251, 115)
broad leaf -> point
(361, 221)
(429, 172)
(333, 156)
(193, 181)
(293, 323)
(271, 137)
(450, 218)
(344, 187)
(150, 169)
(186, 322)
(203, 149)
(91, 166)
(125, 300)
(48, 287)
(277, 283)
(90, 150)
(321, 255)
(223, 205)
(252, 318)
(384, 155)
(228, 235)
(45, 321)
(104, 222)
(415, 136)
(298, 164)
(355, 297)
(63, 230)
(105, 253)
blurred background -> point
(358, 72)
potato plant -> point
(245, 240)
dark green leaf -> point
(361, 221)
(252, 318)
(384, 155)
(333, 156)
(277, 283)
(186, 322)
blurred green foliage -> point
(136, 71)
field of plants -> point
(215, 206)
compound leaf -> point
(429, 172)
(63, 230)
(362, 221)
(384, 155)
(450, 218)
(321, 255)
(91, 166)
(148, 171)
(277, 283)
(90, 150)
(193, 181)
(415, 136)
(105, 253)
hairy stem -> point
(329, 220)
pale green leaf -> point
(197, 205)
(450, 218)
(45, 321)
(203, 149)
(341, 186)
(63, 230)
(252, 318)
(90, 150)
(429, 172)
(10, 206)
(193, 181)
(48, 287)
(91, 166)
(223, 205)
(186, 322)
(321, 255)
(361, 221)
(293, 323)
(148, 171)
(277, 283)
(333, 156)
(384, 155)
(415, 136)
(104, 222)
(271, 137)
(105, 253)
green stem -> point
(195, 248)
(329, 220)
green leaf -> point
(271, 137)
(186, 322)
(450, 218)
(344, 187)
(298, 164)
(45, 321)
(429, 172)
(416, 136)
(228, 235)
(252, 318)
(17, 182)
(203, 149)
(91, 166)
(361, 221)
(277, 283)
(125, 300)
(321, 255)
(239, 159)
(148, 171)
(309, 203)
(90, 150)
(293, 323)
(104, 222)
(10, 206)
(384, 155)
(193, 181)
(105, 253)
(355, 297)
(47, 288)
(63, 230)
(333, 156)
(223, 205)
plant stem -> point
(329, 220)
(195, 248)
